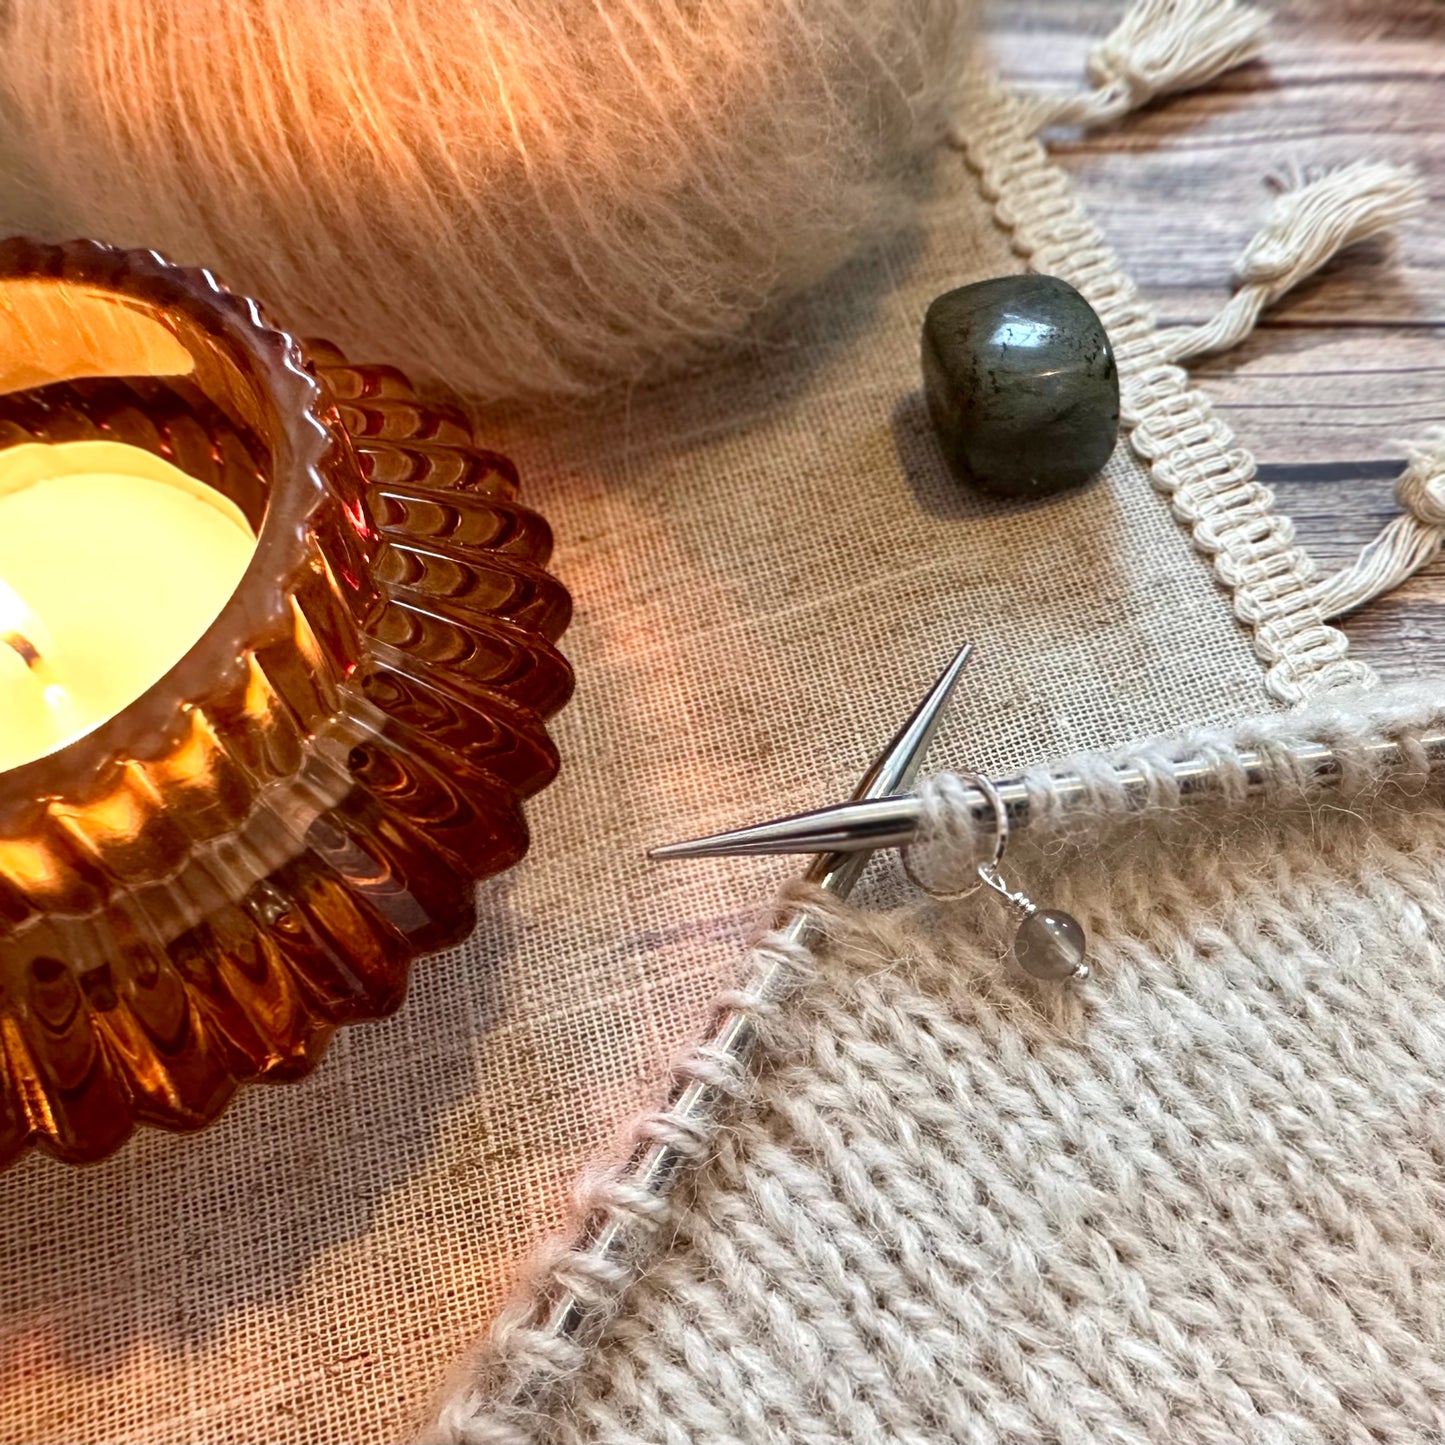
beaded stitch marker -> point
(1050, 943)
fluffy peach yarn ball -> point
(523, 198)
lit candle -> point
(34, 708)
(112, 565)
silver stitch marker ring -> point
(1050, 944)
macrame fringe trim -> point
(1406, 544)
(1306, 226)
(1160, 47)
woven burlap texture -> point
(769, 563)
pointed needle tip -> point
(774, 837)
(893, 771)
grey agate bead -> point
(1050, 944)
(1021, 384)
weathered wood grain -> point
(1352, 364)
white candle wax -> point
(113, 564)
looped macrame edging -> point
(617, 1213)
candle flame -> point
(20, 628)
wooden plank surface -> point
(1351, 364)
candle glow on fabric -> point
(113, 563)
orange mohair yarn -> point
(520, 198)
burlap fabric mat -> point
(769, 563)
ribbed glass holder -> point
(198, 892)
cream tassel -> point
(1405, 545)
(1158, 48)
(1304, 228)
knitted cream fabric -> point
(1200, 1198)
(770, 564)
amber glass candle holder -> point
(198, 891)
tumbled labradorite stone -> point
(1021, 384)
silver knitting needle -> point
(893, 822)
(656, 1166)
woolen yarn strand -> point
(523, 198)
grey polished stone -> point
(1021, 384)
(1050, 944)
